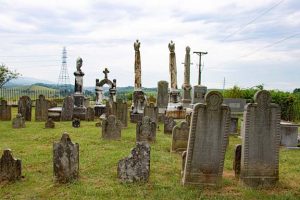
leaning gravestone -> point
(90, 114)
(5, 111)
(67, 109)
(169, 124)
(135, 167)
(152, 111)
(146, 130)
(49, 123)
(65, 159)
(120, 110)
(10, 168)
(111, 128)
(180, 136)
(18, 122)
(207, 142)
(24, 107)
(260, 141)
(41, 108)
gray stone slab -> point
(111, 128)
(146, 130)
(235, 104)
(18, 122)
(10, 168)
(162, 98)
(24, 107)
(151, 111)
(120, 110)
(67, 109)
(5, 111)
(180, 136)
(41, 108)
(198, 93)
(289, 134)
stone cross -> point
(172, 65)
(260, 141)
(146, 130)
(10, 168)
(65, 159)
(137, 66)
(105, 72)
(208, 139)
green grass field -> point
(98, 168)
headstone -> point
(76, 123)
(146, 130)
(24, 107)
(18, 122)
(152, 111)
(289, 134)
(198, 94)
(90, 114)
(180, 136)
(162, 99)
(208, 139)
(67, 109)
(41, 108)
(236, 105)
(188, 117)
(234, 125)
(186, 100)
(135, 167)
(65, 160)
(10, 168)
(237, 160)
(5, 111)
(260, 141)
(49, 123)
(120, 110)
(111, 128)
(169, 124)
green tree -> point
(6, 75)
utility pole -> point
(200, 53)
(224, 84)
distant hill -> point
(25, 81)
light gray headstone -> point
(146, 130)
(208, 139)
(152, 111)
(65, 160)
(111, 128)
(10, 168)
(18, 122)
(41, 108)
(260, 141)
(180, 136)
(24, 107)
(162, 99)
(235, 104)
(5, 111)
(67, 109)
(289, 134)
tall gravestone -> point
(146, 130)
(111, 128)
(186, 100)
(180, 136)
(10, 168)
(169, 124)
(152, 111)
(65, 160)
(67, 109)
(41, 108)
(260, 141)
(120, 110)
(18, 122)
(5, 111)
(24, 107)
(162, 99)
(208, 139)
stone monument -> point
(67, 109)
(120, 110)
(146, 130)
(10, 168)
(162, 99)
(186, 100)
(260, 141)
(24, 107)
(111, 128)
(65, 160)
(41, 108)
(180, 136)
(152, 111)
(208, 139)
(5, 111)
(18, 122)
(169, 124)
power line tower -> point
(63, 79)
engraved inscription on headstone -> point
(24, 107)
(10, 168)
(180, 135)
(111, 128)
(146, 130)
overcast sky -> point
(249, 42)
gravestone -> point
(152, 111)
(169, 124)
(111, 128)
(234, 125)
(180, 136)
(10, 168)
(208, 139)
(162, 98)
(5, 111)
(198, 94)
(65, 160)
(41, 108)
(236, 105)
(18, 122)
(237, 160)
(289, 134)
(24, 107)
(76, 123)
(135, 167)
(67, 109)
(49, 123)
(120, 110)
(90, 114)
(146, 130)
(260, 141)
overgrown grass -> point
(98, 168)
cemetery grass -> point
(98, 168)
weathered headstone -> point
(162, 99)
(135, 167)
(18, 122)
(180, 136)
(24, 107)
(260, 141)
(49, 123)
(90, 114)
(120, 110)
(169, 124)
(152, 111)
(65, 159)
(67, 109)
(146, 130)
(10, 168)
(111, 128)
(237, 160)
(236, 105)
(234, 125)
(289, 134)
(207, 142)
(41, 108)
(198, 94)
(5, 111)
(76, 123)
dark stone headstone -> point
(65, 159)
(18, 122)
(24, 107)
(10, 168)
(76, 123)
(67, 109)
(5, 111)
(169, 124)
(90, 114)
(146, 130)
(111, 128)
(41, 109)
(135, 167)
(49, 123)
(237, 160)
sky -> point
(249, 42)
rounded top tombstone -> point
(262, 98)
(213, 100)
